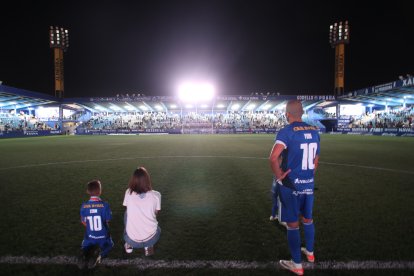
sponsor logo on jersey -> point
(303, 181)
(300, 128)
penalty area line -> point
(144, 264)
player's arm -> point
(316, 163)
(82, 218)
(274, 161)
(83, 221)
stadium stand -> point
(382, 109)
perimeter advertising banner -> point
(376, 131)
(173, 131)
(28, 133)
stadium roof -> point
(173, 104)
(392, 94)
(13, 98)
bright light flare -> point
(196, 92)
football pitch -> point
(216, 203)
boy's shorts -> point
(105, 245)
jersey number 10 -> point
(95, 223)
(309, 153)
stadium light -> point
(189, 106)
(338, 33)
(338, 37)
(128, 107)
(59, 42)
(99, 107)
(250, 107)
(267, 106)
(115, 108)
(173, 106)
(143, 107)
(220, 105)
(195, 92)
(158, 107)
(235, 107)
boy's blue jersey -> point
(301, 142)
(96, 213)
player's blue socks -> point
(293, 237)
(309, 229)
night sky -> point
(240, 46)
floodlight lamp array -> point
(58, 38)
(339, 33)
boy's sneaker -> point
(128, 248)
(272, 218)
(94, 258)
(309, 255)
(293, 267)
(149, 251)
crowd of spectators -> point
(162, 120)
(22, 122)
(401, 118)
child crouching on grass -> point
(142, 206)
(95, 216)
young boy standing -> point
(95, 216)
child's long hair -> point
(140, 181)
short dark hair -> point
(94, 187)
(140, 181)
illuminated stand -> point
(338, 37)
(59, 42)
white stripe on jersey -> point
(281, 143)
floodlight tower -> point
(59, 42)
(338, 37)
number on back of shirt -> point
(95, 223)
(308, 157)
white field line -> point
(143, 264)
(194, 156)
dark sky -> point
(240, 46)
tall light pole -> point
(338, 37)
(59, 42)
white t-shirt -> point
(141, 217)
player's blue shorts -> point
(293, 203)
(105, 245)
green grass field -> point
(215, 201)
